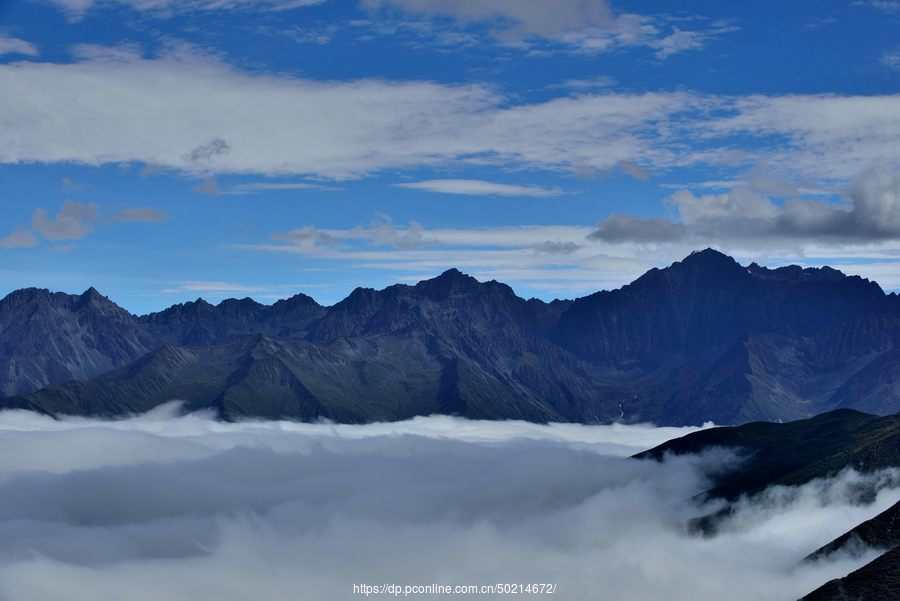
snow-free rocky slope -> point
(703, 339)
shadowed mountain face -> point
(704, 339)
(795, 453)
(878, 580)
(881, 532)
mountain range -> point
(703, 339)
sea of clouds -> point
(170, 507)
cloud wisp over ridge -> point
(187, 504)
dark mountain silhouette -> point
(881, 532)
(703, 339)
(796, 452)
(878, 580)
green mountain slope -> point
(795, 452)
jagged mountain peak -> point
(453, 282)
(707, 254)
(708, 260)
(238, 302)
(449, 282)
(44, 300)
(703, 338)
(797, 273)
(92, 300)
(296, 300)
(27, 295)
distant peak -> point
(453, 273)
(298, 298)
(92, 297)
(238, 302)
(451, 281)
(707, 258)
(92, 300)
(707, 254)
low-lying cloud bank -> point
(166, 507)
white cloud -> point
(383, 232)
(474, 187)
(159, 507)
(100, 53)
(679, 41)
(160, 112)
(825, 137)
(20, 237)
(213, 287)
(255, 187)
(575, 25)
(516, 18)
(10, 45)
(885, 5)
(73, 221)
(164, 8)
(593, 83)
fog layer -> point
(168, 507)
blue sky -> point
(163, 151)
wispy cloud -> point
(892, 59)
(166, 8)
(140, 214)
(20, 237)
(558, 258)
(821, 136)
(512, 19)
(256, 187)
(474, 187)
(593, 83)
(572, 25)
(890, 6)
(73, 221)
(214, 288)
(11, 45)
(209, 187)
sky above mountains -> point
(163, 151)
